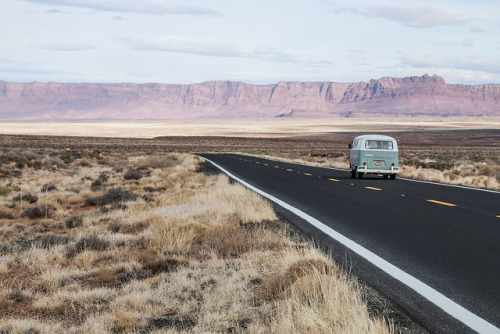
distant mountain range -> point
(425, 96)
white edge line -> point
(456, 311)
(400, 178)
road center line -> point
(449, 306)
(334, 180)
(290, 170)
(372, 188)
(307, 174)
(442, 203)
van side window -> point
(355, 144)
(378, 145)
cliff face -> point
(411, 96)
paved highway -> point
(432, 249)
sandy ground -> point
(235, 128)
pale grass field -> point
(178, 249)
(279, 127)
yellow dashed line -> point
(257, 162)
(442, 203)
(276, 166)
(266, 165)
(290, 170)
(307, 174)
(372, 188)
(334, 180)
(403, 195)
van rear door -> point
(380, 154)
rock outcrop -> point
(428, 96)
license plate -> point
(379, 163)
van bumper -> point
(364, 170)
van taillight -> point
(364, 163)
(393, 164)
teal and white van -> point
(374, 154)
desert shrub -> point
(148, 198)
(37, 164)
(113, 196)
(68, 158)
(48, 187)
(4, 191)
(51, 240)
(93, 243)
(30, 198)
(10, 172)
(132, 174)
(84, 163)
(103, 177)
(73, 221)
(206, 168)
(38, 212)
(96, 185)
(114, 227)
(17, 296)
(130, 228)
(163, 266)
(149, 189)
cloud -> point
(66, 46)
(204, 48)
(415, 17)
(471, 63)
(477, 29)
(131, 6)
(410, 16)
(55, 11)
(468, 43)
(28, 70)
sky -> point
(257, 42)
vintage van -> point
(374, 154)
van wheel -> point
(393, 176)
(359, 175)
(353, 173)
(385, 176)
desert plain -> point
(263, 128)
(116, 227)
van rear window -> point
(378, 145)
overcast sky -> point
(254, 41)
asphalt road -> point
(432, 249)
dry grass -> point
(180, 249)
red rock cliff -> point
(394, 97)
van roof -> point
(375, 137)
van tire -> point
(353, 173)
(393, 176)
(359, 175)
